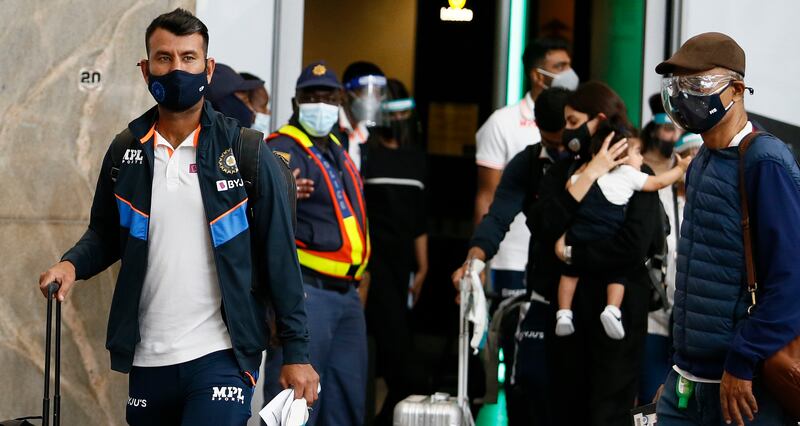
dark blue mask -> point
(178, 90)
(696, 113)
(233, 107)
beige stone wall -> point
(52, 139)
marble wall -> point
(53, 134)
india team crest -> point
(227, 162)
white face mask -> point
(567, 79)
(261, 123)
(318, 119)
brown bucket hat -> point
(704, 52)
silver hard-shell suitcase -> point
(440, 409)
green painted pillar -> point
(618, 49)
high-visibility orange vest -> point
(350, 260)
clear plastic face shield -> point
(699, 85)
(399, 121)
(693, 102)
(366, 95)
(397, 110)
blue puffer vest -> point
(711, 296)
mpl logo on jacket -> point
(228, 393)
(133, 156)
(227, 162)
(224, 185)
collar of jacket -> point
(140, 127)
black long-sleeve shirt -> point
(518, 187)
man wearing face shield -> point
(365, 90)
(333, 247)
(394, 187)
(507, 132)
(719, 345)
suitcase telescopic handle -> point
(52, 289)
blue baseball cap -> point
(226, 81)
(317, 74)
(662, 118)
(687, 142)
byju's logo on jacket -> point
(241, 231)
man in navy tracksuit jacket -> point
(719, 347)
(200, 260)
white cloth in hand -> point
(284, 410)
(477, 311)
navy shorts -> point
(210, 390)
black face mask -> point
(665, 147)
(695, 113)
(178, 90)
(577, 141)
(401, 130)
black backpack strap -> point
(247, 151)
(291, 185)
(121, 143)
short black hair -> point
(604, 129)
(656, 106)
(537, 50)
(360, 69)
(180, 22)
(549, 109)
(396, 90)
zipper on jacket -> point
(203, 195)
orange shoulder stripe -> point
(131, 206)
(228, 212)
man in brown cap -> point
(718, 345)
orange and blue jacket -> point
(332, 235)
(253, 244)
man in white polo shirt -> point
(507, 132)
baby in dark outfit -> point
(600, 215)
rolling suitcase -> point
(441, 409)
(52, 289)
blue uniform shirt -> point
(317, 224)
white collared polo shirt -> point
(507, 132)
(180, 316)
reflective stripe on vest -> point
(350, 260)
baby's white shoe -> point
(612, 322)
(564, 326)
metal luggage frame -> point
(463, 354)
(52, 290)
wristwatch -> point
(568, 255)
